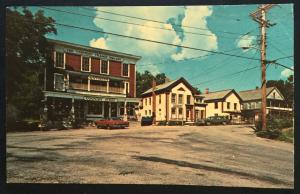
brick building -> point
(87, 83)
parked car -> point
(146, 121)
(216, 120)
(110, 123)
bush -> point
(270, 134)
(275, 123)
(175, 123)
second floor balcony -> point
(85, 84)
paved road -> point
(188, 155)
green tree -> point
(144, 81)
(285, 87)
(25, 57)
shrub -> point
(162, 123)
(175, 123)
(270, 134)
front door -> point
(106, 110)
(188, 114)
(114, 109)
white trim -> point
(126, 82)
(107, 67)
(81, 63)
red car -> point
(111, 123)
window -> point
(125, 69)
(145, 112)
(104, 67)
(150, 112)
(159, 110)
(174, 98)
(228, 105)
(235, 106)
(159, 99)
(59, 60)
(150, 101)
(59, 82)
(95, 108)
(180, 111)
(145, 101)
(216, 105)
(173, 111)
(180, 98)
(85, 66)
(188, 99)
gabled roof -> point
(169, 85)
(255, 94)
(217, 95)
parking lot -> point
(228, 155)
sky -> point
(222, 28)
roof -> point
(169, 85)
(217, 95)
(255, 94)
(94, 49)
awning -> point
(85, 97)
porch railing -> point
(116, 90)
(78, 86)
(98, 88)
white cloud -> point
(99, 43)
(245, 41)
(286, 73)
(194, 16)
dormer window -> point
(85, 65)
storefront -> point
(84, 108)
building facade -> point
(251, 106)
(223, 103)
(172, 101)
(87, 83)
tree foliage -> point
(285, 87)
(25, 57)
(144, 81)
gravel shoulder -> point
(184, 155)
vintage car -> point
(216, 120)
(111, 123)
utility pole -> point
(260, 17)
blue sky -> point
(221, 27)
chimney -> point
(206, 90)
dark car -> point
(217, 120)
(146, 121)
(110, 123)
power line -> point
(157, 21)
(125, 22)
(238, 72)
(186, 59)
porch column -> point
(125, 111)
(89, 84)
(45, 114)
(107, 86)
(109, 109)
(73, 111)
